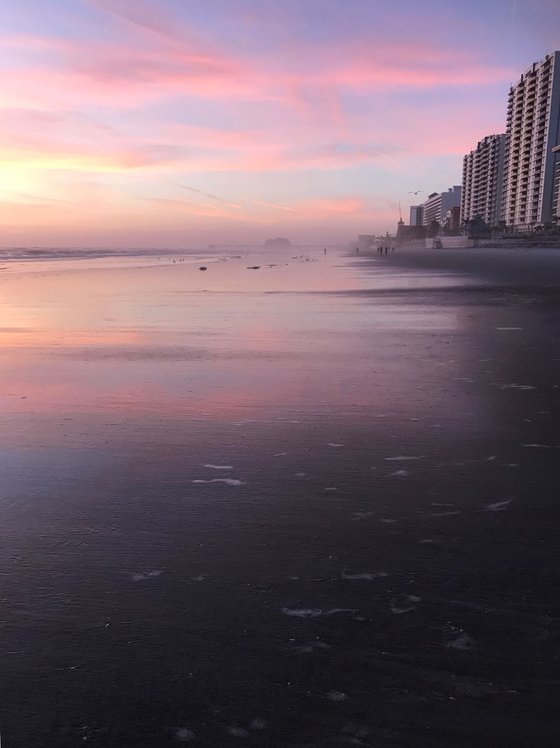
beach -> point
(297, 499)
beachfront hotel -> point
(438, 203)
(533, 130)
(483, 175)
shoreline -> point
(520, 267)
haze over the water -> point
(135, 123)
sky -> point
(180, 123)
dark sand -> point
(382, 571)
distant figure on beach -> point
(386, 248)
(357, 250)
(325, 251)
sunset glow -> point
(133, 123)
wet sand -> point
(310, 505)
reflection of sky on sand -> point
(225, 344)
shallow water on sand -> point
(281, 506)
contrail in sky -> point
(141, 16)
(234, 205)
(513, 19)
(273, 205)
(212, 197)
(44, 199)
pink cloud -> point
(133, 73)
(72, 140)
(378, 65)
(339, 206)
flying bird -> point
(415, 192)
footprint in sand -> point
(459, 639)
(311, 647)
(366, 576)
(402, 458)
(184, 735)
(446, 514)
(227, 481)
(404, 603)
(357, 516)
(314, 612)
(238, 732)
(336, 696)
(258, 724)
(499, 506)
(141, 576)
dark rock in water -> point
(203, 267)
(253, 267)
(278, 242)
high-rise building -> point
(533, 129)
(438, 203)
(483, 172)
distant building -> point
(416, 215)
(533, 130)
(280, 241)
(367, 240)
(483, 181)
(438, 203)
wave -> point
(84, 253)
